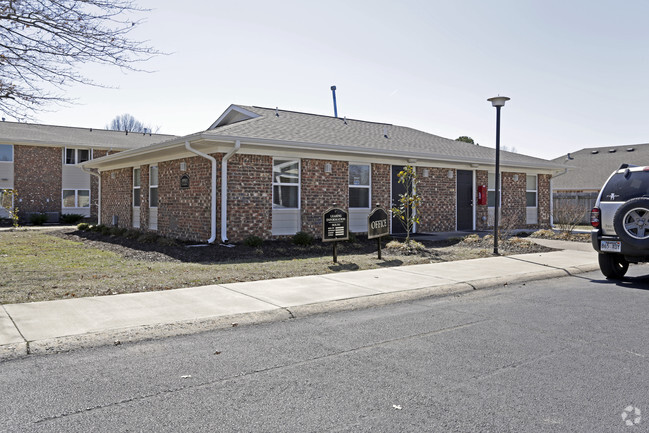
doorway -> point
(464, 200)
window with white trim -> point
(76, 156)
(153, 186)
(531, 191)
(286, 184)
(491, 189)
(6, 153)
(76, 198)
(359, 185)
(136, 187)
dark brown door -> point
(464, 193)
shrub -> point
(38, 219)
(97, 228)
(83, 227)
(148, 238)
(303, 238)
(71, 218)
(132, 234)
(253, 241)
(352, 238)
(105, 230)
(117, 231)
(167, 242)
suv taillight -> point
(594, 217)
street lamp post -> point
(498, 102)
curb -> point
(120, 336)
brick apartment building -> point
(269, 173)
(39, 162)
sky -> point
(576, 71)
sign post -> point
(335, 227)
(377, 226)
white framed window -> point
(6, 153)
(286, 184)
(153, 186)
(491, 189)
(75, 198)
(531, 191)
(77, 156)
(136, 187)
(359, 186)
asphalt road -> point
(568, 354)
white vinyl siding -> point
(286, 196)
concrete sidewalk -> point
(53, 326)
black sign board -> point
(184, 181)
(335, 225)
(377, 223)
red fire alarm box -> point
(482, 195)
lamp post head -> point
(498, 101)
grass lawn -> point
(38, 266)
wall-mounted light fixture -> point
(450, 174)
(112, 175)
(183, 166)
(327, 168)
(425, 173)
(515, 177)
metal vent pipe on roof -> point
(333, 91)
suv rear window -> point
(621, 188)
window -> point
(75, 198)
(153, 186)
(491, 190)
(286, 184)
(6, 153)
(76, 156)
(136, 187)
(359, 186)
(530, 191)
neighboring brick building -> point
(39, 162)
(284, 169)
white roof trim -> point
(221, 120)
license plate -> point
(611, 246)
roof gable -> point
(233, 114)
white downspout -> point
(213, 218)
(98, 176)
(552, 197)
(224, 191)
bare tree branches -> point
(127, 122)
(43, 42)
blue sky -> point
(575, 71)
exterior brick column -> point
(38, 178)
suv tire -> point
(631, 222)
(613, 266)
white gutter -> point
(224, 190)
(213, 219)
(552, 197)
(98, 176)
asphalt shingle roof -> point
(30, 133)
(590, 167)
(367, 136)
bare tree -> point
(42, 42)
(126, 122)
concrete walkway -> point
(53, 326)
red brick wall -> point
(482, 212)
(513, 210)
(381, 188)
(185, 213)
(117, 196)
(38, 178)
(437, 212)
(250, 196)
(544, 200)
(321, 191)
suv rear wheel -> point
(631, 222)
(613, 266)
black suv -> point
(621, 221)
